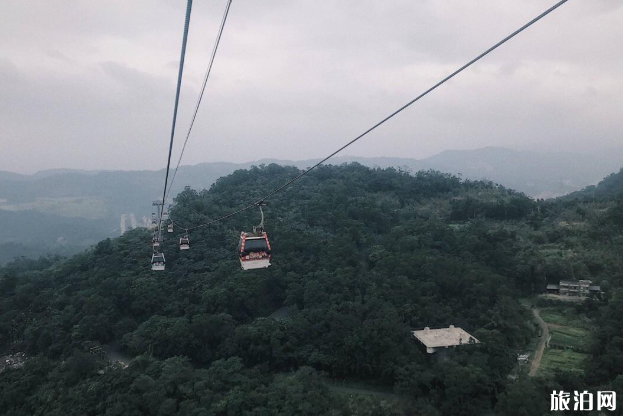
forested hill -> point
(360, 258)
(105, 203)
(611, 187)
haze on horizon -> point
(90, 85)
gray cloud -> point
(91, 85)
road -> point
(538, 354)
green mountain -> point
(609, 188)
(361, 257)
(111, 197)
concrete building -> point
(553, 288)
(577, 288)
(574, 287)
(436, 339)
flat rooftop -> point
(444, 337)
(575, 282)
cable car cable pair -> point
(383, 121)
(184, 242)
(404, 107)
(203, 87)
(189, 5)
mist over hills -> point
(540, 175)
(94, 204)
(32, 234)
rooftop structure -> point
(435, 339)
(14, 361)
(523, 358)
(577, 288)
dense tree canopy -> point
(361, 257)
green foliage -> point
(610, 187)
(360, 258)
(556, 360)
(606, 361)
(152, 387)
(521, 398)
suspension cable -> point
(189, 6)
(205, 81)
(444, 80)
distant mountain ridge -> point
(89, 197)
(539, 175)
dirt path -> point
(538, 354)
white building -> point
(436, 339)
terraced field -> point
(557, 360)
(570, 339)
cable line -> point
(447, 78)
(189, 6)
(205, 81)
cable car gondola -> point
(157, 261)
(170, 228)
(184, 242)
(254, 248)
(155, 242)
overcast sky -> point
(90, 84)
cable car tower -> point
(159, 218)
(157, 257)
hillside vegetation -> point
(360, 258)
(611, 187)
(96, 200)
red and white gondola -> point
(254, 250)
